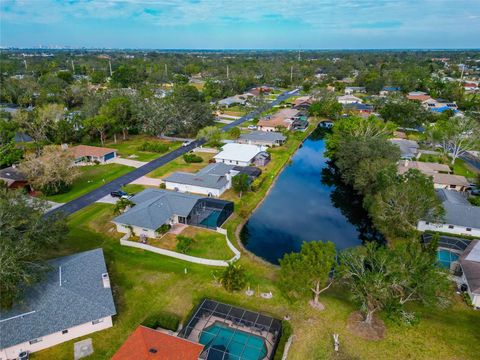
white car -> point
(187, 142)
(252, 127)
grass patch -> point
(134, 188)
(131, 146)
(462, 168)
(91, 177)
(179, 164)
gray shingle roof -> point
(12, 173)
(470, 262)
(268, 136)
(49, 307)
(458, 211)
(408, 148)
(154, 207)
(213, 176)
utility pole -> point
(73, 67)
(299, 59)
(25, 63)
(228, 73)
(110, 67)
(166, 72)
(291, 74)
(463, 68)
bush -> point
(287, 331)
(55, 188)
(474, 200)
(163, 186)
(192, 158)
(163, 229)
(156, 147)
(162, 320)
(183, 244)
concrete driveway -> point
(108, 199)
(148, 181)
(128, 162)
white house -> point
(470, 264)
(74, 299)
(239, 154)
(461, 217)
(349, 90)
(212, 180)
(349, 99)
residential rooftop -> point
(470, 262)
(458, 210)
(213, 176)
(267, 136)
(72, 293)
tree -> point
(121, 205)
(9, 154)
(233, 278)
(119, 111)
(366, 272)
(101, 124)
(308, 271)
(234, 133)
(408, 198)
(404, 113)
(52, 172)
(211, 134)
(326, 105)
(456, 135)
(25, 235)
(241, 183)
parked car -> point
(252, 127)
(475, 192)
(120, 194)
(187, 142)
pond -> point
(308, 202)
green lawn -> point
(129, 147)
(180, 165)
(91, 177)
(462, 168)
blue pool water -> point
(239, 344)
(445, 258)
(211, 220)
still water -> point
(308, 202)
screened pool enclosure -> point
(210, 213)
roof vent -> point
(106, 280)
(152, 350)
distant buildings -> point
(349, 99)
(418, 96)
(349, 90)
(388, 90)
(439, 105)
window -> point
(98, 321)
(64, 332)
(469, 229)
(450, 226)
(453, 186)
(34, 341)
(427, 223)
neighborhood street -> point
(97, 194)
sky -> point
(242, 24)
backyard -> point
(90, 178)
(130, 148)
(145, 283)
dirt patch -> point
(317, 305)
(374, 331)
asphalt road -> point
(87, 199)
(471, 160)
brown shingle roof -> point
(418, 97)
(86, 150)
(148, 344)
(427, 168)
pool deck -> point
(211, 320)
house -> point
(348, 99)
(461, 217)
(233, 100)
(408, 148)
(154, 208)
(470, 264)
(389, 90)
(302, 102)
(262, 159)
(440, 173)
(74, 299)
(326, 124)
(148, 344)
(265, 138)
(439, 105)
(21, 137)
(470, 87)
(86, 153)
(418, 96)
(358, 108)
(349, 90)
(212, 180)
(281, 119)
(257, 91)
(13, 177)
(239, 154)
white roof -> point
(239, 152)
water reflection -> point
(308, 202)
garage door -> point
(109, 156)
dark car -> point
(119, 194)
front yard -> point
(130, 148)
(180, 165)
(90, 178)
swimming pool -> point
(446, 257)
(211, 220)
(238, 344)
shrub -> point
(163, 229)
(163, 186)
(162, 320)
(156, 147)
(59, 187)
(183, 244)
(474, 200)
(286, 333)
(233, 278)
(192, 158)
